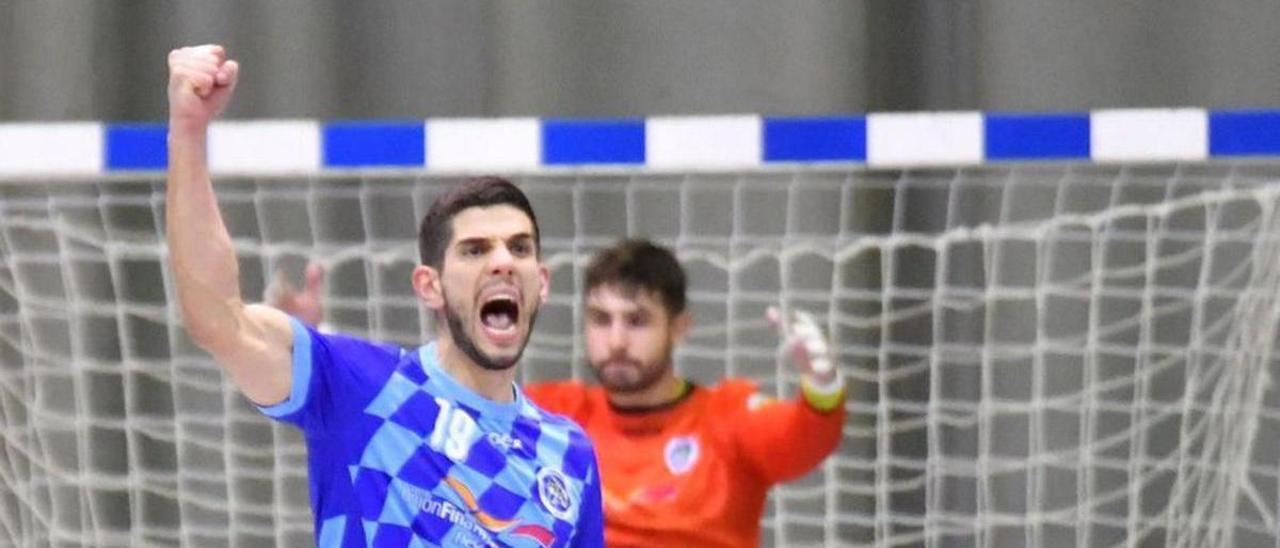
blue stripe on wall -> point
(835, 139)
(1036, 136)
(372, 144)
(578, 142)
(137, 147)
(1244, 133)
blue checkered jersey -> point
(400, 454)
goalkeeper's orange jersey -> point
(696, 472)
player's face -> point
(630, 338)
(492, 284)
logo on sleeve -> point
(681, 454)
(758, 400)
(555, 494)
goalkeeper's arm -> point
(786, 439)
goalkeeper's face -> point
(492, 283)
(630, 336)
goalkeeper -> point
(682, 464)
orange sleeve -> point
(781, 439)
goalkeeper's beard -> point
(650, 374)
(467, 345)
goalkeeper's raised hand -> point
(306, 305)
(805, 346)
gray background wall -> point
(80, 60)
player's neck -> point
(490, 384)
(668, 389)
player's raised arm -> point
(252, 343)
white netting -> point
(1065, 355)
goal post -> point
(1058, 329)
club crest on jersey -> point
(681, 454)
(555, 493)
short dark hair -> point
(436, 229)
(638, 265)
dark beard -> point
(468, 346)
(649, 376)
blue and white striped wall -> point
(658, 143)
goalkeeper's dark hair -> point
(436, 229)
(638, 265)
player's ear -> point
(428, 286)
(544, 277)
(680, 325)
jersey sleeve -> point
(590, 530)
(331, 374)
(780, 439)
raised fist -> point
(201, 80)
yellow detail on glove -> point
(825, 396)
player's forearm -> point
(200, 252)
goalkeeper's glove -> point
(803, 341)
(306, 305)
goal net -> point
(1038, 355)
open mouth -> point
(500, 314)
